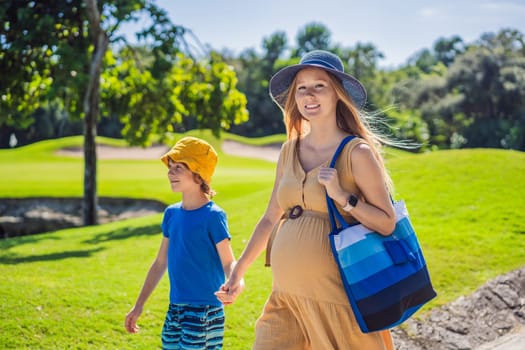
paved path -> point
(511, 341)
(270, 153)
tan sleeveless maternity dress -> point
(308, 308)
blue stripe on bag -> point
(391, 315)
(397, 313)
(385, 277)
(403, 231)
(357, 259)
(386, 297)
(366, 267)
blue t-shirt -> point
(194, 266)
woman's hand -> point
(330, 180)
(230, 290)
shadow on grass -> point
(125, 233)
(15, 259)
(110, 234)
(8, 243)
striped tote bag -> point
(385, 277)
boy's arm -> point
(155, 273)
(228, 261)
(225, 251)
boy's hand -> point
(224, 297)
(227, 294)
(131, 320)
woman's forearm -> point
(255, 246)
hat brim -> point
(199, 156)
(191, 163)
(282, 80)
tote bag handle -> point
(333, 213)
(332, 210)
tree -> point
(446, 50)
(478, 100)
(210, 94)
(490, 84)
(29, 59)
(314, 36)
(424, 60)
(361, 61)
(91, 107)
(57, 54)
(254, 74)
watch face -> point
(353, 200)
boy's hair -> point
(205, 187)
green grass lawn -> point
(72, 288)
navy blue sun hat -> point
(281, 81)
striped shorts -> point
(193, 327)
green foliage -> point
(313, 36)
(195, 94)
(408, 126)
(463, 204)
(46, 52)
(57, 53)
(37, 42)
(362, 61)
(254, 73)
(446, 50)
(216, 103)
(476, 97)
(448, 96)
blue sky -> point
(397, 28)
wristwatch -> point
(351, 203)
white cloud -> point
(429, 12)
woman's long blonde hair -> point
(348, 118)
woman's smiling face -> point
(314, 93)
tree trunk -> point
(91, 112)
(5, 136)
(90, 202)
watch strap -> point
(351, 203)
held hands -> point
(230, 291)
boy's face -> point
(180, 176)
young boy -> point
(196, 251)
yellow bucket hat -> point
(197, 154)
